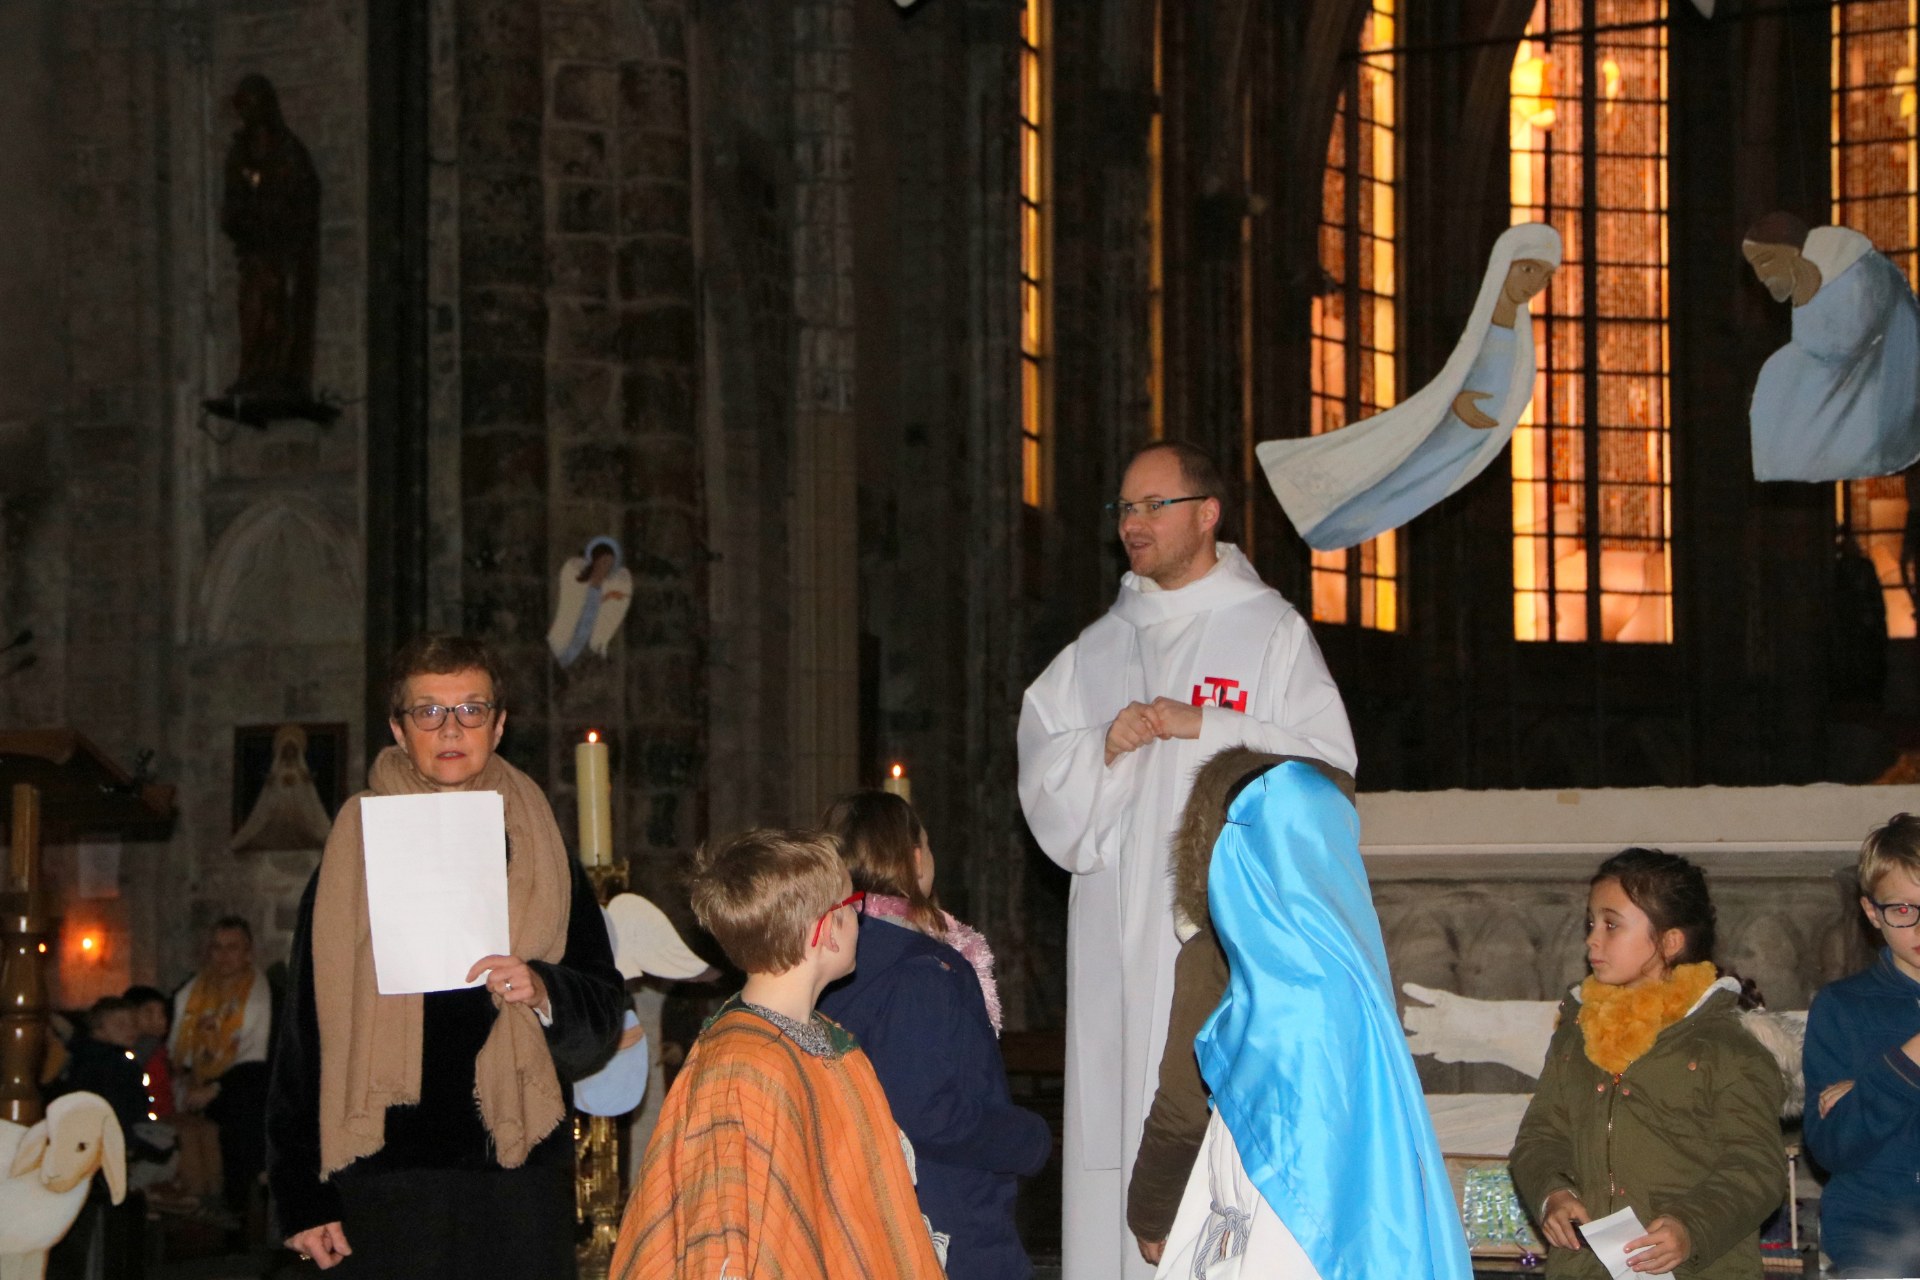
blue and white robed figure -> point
(1320, 1161)
(595, 590)
(1841, 401)
(1343, 487)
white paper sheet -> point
(1608, 1237)
(436, 886)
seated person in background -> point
(919, 1004)
(222, 1022)
(106, 1062)
(776, 1154)
(151, 1020)
(103, 1062)
(1863, 1066)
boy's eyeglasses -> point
(1898, 915)
(471, 715)
(857, 900)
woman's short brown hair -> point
(878, 832)
(436, 654)
(758, 893)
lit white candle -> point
(594, 780)
(898, 785)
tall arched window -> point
(1035, 276)
(1592, 461)
(1356, 341)
(1874, 191)
(1157, 235)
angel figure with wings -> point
(595, 590)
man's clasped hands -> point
(1142, 722)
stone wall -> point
(182, 575)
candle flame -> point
(899, 771)
(593, 735)
(87, 943)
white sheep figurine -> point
(49, 1168)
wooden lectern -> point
(50, 779)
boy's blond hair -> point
(758, 893)
(1894, 847)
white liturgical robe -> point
(1233, 646)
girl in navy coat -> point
(923, 1004)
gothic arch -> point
(284, 572)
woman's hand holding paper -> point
(513, 980)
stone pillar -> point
(824, 676)
(503, 356)
(665, 684)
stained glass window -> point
(1035, 326)
(1592, 458)
(1157, 237)
(1355, 355)
(1874, 192)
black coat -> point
(443, 1130)
(916, 1007)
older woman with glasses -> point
(424, 1135)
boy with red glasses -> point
(775, 1153)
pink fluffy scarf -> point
(963, 938)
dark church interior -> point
(325, 323)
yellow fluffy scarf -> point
(1620, 1023)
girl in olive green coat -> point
(1653, 1095)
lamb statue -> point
(49, 1170)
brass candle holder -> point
(598, 1191)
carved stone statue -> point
(271, 212)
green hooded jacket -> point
(1691, 1130)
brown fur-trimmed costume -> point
(1178, 1119)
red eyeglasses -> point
(856, 900)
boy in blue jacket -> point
(1863, 1074)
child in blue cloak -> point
(1320, 1161)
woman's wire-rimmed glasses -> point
(857, 900)
(469, 715)
(1898, 915)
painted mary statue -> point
(1841, 401)
(1344, 487)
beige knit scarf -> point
(370, 1043)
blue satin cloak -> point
(1305, 1056)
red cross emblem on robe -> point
(1216, 692)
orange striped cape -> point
(770, 1163)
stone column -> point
(503, 355)
(824, 656)
(665, 684)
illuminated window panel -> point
(1592, 458)
(1875, 186)
(1355, 353)
(1157, 238)
(1035, 280)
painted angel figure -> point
(1346, 486)
(595, 590)
(1841, 401)
(645, 944)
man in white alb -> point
(1195, 655)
